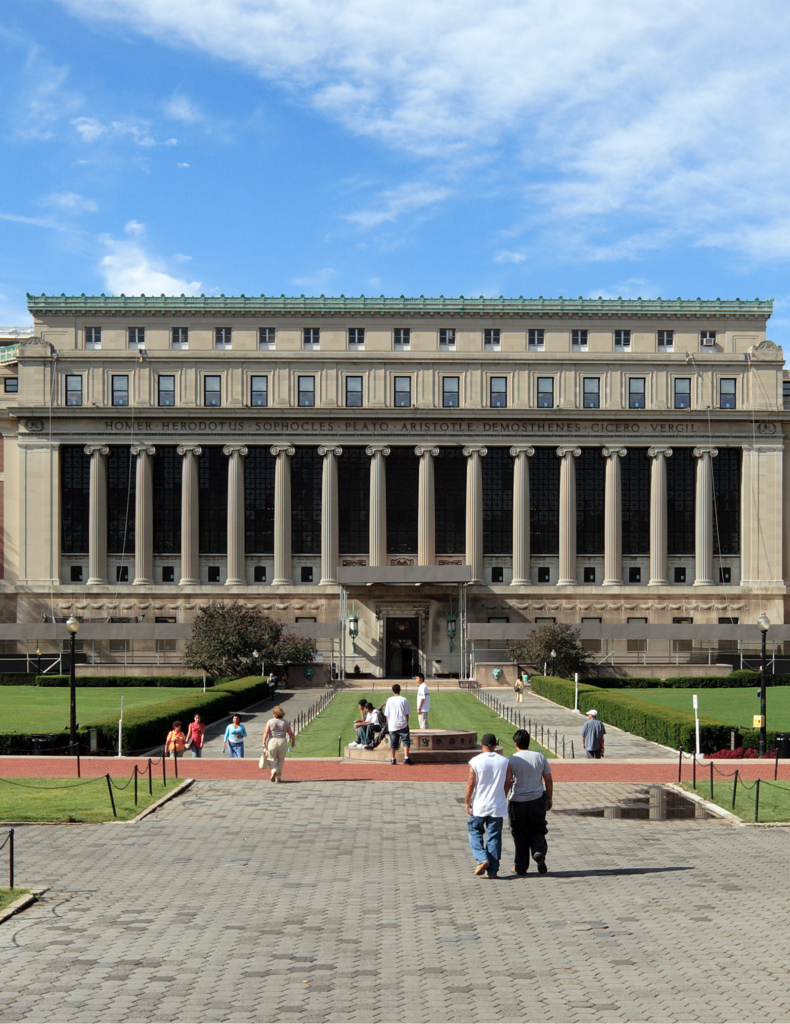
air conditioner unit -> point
(709, 342)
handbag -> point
(262, 762)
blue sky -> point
(420, 147)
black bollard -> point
(756, 801)
(680, 763)
(734, 788)
(711, 781)
(150, 779)
(135, 785)
(112, 798)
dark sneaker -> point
(540, 860)
(408, 760)
(393, 761)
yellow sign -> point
(757, 722)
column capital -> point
(377, 449)
(705, 450)
(235, 449)
(568, 450)
(522, 449)
(607, 453)
(423, 449)
(657, 450)
(96, 449)
(475, 449)
(143, 449)
(282, 449)
(329, 449)
(189, 449)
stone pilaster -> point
(97, 514)
(522, 571)
(426, 523)
(144, 516)
(190, 515)
(474, 509)
(658, 516)
(613, 518)
(703, 517)
(283, 571)
(330, 518)
(378, 503)
(567, 559)
(236, 575)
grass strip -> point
(9, 896)
(774, 798)
(77, 800)
(449, 710)
(735, 706)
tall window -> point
(74, 499)
(356, 338)
(682, 392)
(223, 337)
(450, 489)
(498, 501)
(212, 391)
(120, 389)
(179, 338)
(545, 392)
(259, 468)
(213, 502)
(353, 392)
(498, 395)
(635, 506)
(491, 337)
(447, 337)
(590, 473)
(579, 339)
(622, 339)
(121, 488)
(535, 337)
(450, 392)
(544, 501)
(306, 391)
(137, 337)
(266, 337)
(403, 473)
(306, 508)
(93, 337)
(636, 393)
(167, 389)
(666, 339)
(592, 392)
(402, 337)
(680, 502)
(727, 393)
(259, 391)
(727, 502)
(402, 392)
(353, 496)
(74, 389)
(167, 500)
(311, 337)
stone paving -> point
(356, 901)
(621, 746)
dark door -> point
(403, 637)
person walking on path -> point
(593, 732)
(176, 741)
(397, 711)
(489, 781)
(529, 802)
(195, 736)
(234, 737)
(519, 687)
(275, 742)
(423, 700)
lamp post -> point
(763, 622)
(553, 659)
(353, 629)
(72, 626)
(451, 627)
(255, 657)
(38, 655)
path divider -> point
(304, 718)
(515, 716)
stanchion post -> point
(339, 742)
(776, 762)
(756, 801)
(711, 781)
(734, 788)
(150, 779)
(175, 762)
(79, 766)
(164, 769)
(680, 764)
(135, 785)
(11, 859)
(112, 798)
(573, 752)
(694, 771)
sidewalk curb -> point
(23, 902)
(720, 812)
(185, 785)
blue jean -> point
(485, 838)
(235, 749)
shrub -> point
(687, 682)
(650, 721)
(741, 752)
(562, 639)
(189, 681)
(17, 678)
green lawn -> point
(46, 708)
(76, 799)
(449, 710)
(8, 896)
(774, 797)
(736, 706)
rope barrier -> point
(6, 841)
(74, 785)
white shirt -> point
(396, 710)
(424, 696)
(371, 716)
(489, 797)
(529, 768)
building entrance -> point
(402, 645)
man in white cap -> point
(593, 732)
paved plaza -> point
(356, 901)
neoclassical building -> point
(401, 460)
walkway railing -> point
(540, 733)
(305, 717)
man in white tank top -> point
(487, 787)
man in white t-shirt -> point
(485, 800)
(529, 802)
(397, 711)
(423, 700)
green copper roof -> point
(258, 305)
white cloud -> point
(70, 202)
(393, 203)
(182, 165)
(134, 227)
(91, 129)
(127, 268)
(182, 109)
(509, 257)
(36, 222)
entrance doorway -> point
(402, 640)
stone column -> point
(613, 519)
(97, 514)
(190, 515)
(378, 503)
(567, 560)
(658, 516)
(522, 572)
(703, 517)
(330, 518)
(282, 514)
(236, 575)
(144, 516)
(426, 524)
(474, 510)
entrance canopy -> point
(402, 575)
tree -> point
(224, 635)
(562, 639)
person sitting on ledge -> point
(361, 725)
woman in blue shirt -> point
(234, 738)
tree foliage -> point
(224, 635)
(562, 639)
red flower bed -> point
(739, 753)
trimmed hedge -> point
(17, 678)
(145, 728)
(650, 721)
(190, 681)
(687, 682)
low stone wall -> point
(656, 671)
(483, 673)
